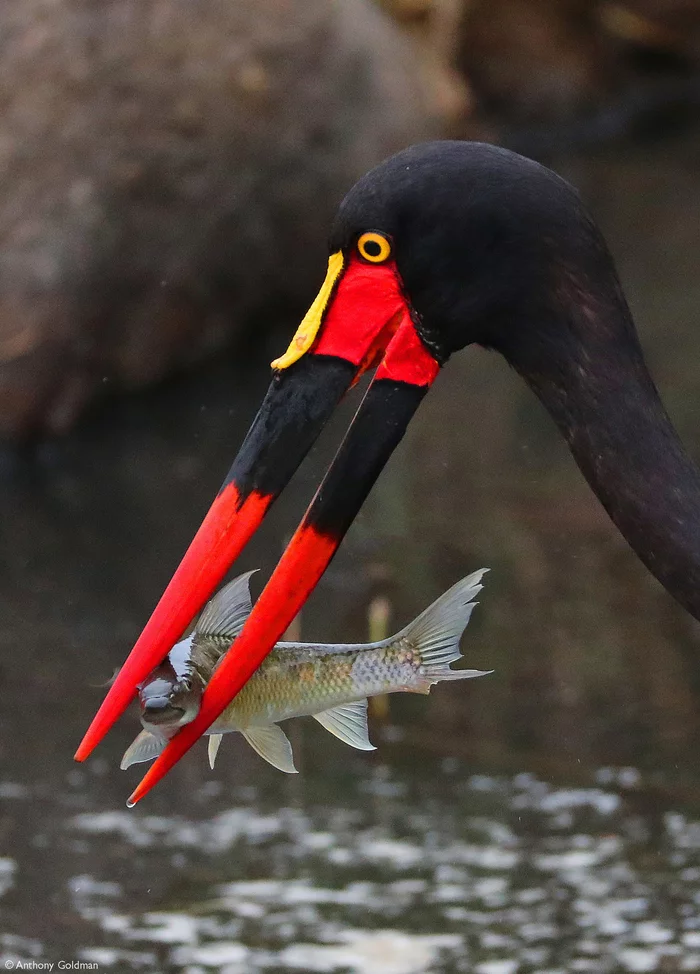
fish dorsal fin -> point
(144, 747)
(272, 744)
(213, 749)
(228, 610)
(348, 723)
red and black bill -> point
(360, 319)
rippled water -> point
(381, 871)
(544, 819)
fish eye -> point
(374, 247)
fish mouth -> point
(363, 320)
(158, 715)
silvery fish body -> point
(330, 682)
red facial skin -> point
(366, 299)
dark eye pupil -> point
(372, 248)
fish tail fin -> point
(437, 631)
(442, 672)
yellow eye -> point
(374, 247)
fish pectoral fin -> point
(213, 749)
(272, 744)
(144, 747)
(348, 723)
(228, 610)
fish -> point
(329, 682)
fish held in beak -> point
(329, 682)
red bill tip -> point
(225, 530)
(299, 569)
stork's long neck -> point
(598, 389)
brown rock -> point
(535, 59)
(169, 170)
(663, 25)
(547, 61)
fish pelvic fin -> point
(348, 723)
(437, 631)
(272, 744)
(213, 748)
(144, 747)
(225, 614)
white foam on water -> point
(212, 955)
(497, 967)
(651, 932)
(482, 782)
(166, 928)
(88, 886)
(538, 931)
(371, 952)
(566, 799)
(319, 840)
(486, 857)
(490, 887)
(638, 960)
(110, 956)
(579, 859)
(297, 892)
(449, 893)
(214, 835)
(401, 855)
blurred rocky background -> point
(170, 167)
(169, 172)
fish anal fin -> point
(272, 744)
(144, 747)
(213, 748)
(225, 614)
(348, 723)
